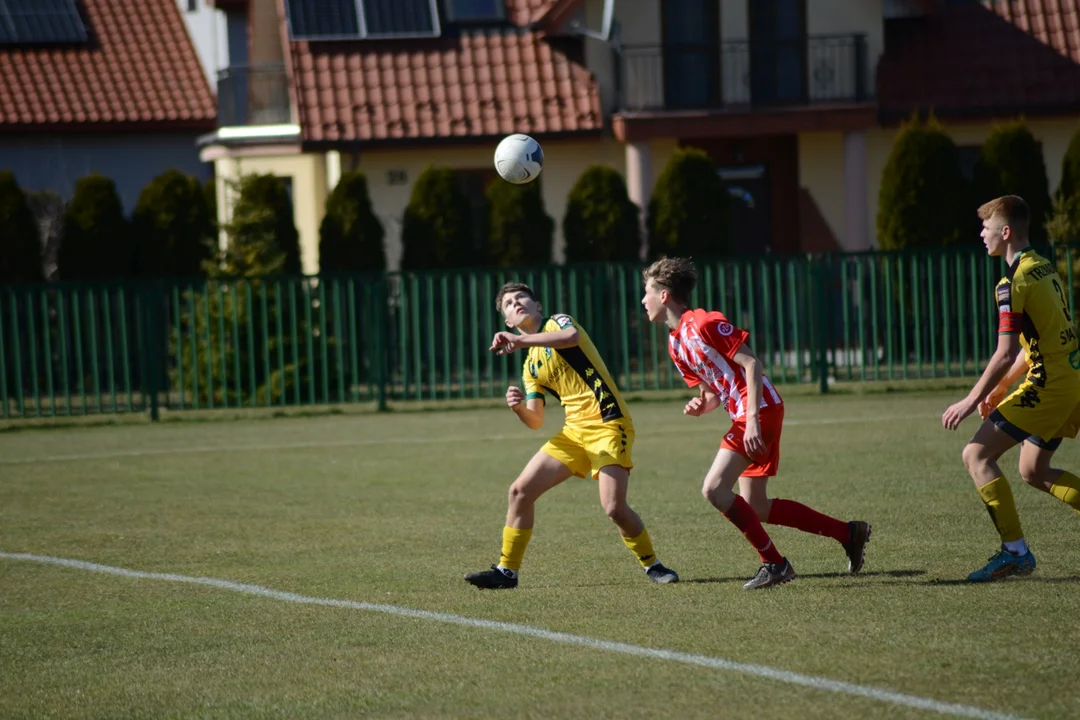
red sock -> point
(796, 515)
(743, 517)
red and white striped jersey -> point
(702, 348)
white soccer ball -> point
(519, 159)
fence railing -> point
(79, 349)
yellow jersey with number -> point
(575, 376)
(1031, 301)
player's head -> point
(1005, 220)
(517, 302)
(668, 281)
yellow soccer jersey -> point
(576, 376)
(1031, 301)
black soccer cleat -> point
(856, 546)
(771, 574)
(493, 579)
(662, 575)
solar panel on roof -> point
(323, 19)
(40, 21)
(400, 18)
(473, 10)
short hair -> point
(513, 287)
(1010, 209)
(677, 275)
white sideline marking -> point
(763, 671)
(714, 428)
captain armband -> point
(1009, 322)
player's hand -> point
(505, 343)
(990, 402)
(952, 417)
(514, 396)
(695, 407)
(752, 441)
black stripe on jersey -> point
(1037, 373)
(576, 358)
(553, 393)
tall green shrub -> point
(173, 227)
(601, 222)
(1011, 163)
(20, 242)
(96, 241)
(690, 211)
(1070, 168)
(924, 199)
(437, 231)
(351, 236)
(520, 230)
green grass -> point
(406, 502)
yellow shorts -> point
(1047, 412)
(587, 449)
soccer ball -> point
(519, 159)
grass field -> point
(386, 512)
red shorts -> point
(768, 463)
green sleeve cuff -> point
(535, 396)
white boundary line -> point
(713, 427)
(714, 663)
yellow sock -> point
(1067, 489)
(641, 546)
(999, 503)
(515, 540)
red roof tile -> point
(139, 67)
(1007, 57)
(482, 83)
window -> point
(463, 11)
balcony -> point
(253, 95)
(744, 74)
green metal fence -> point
(83, 349)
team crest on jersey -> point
(563, 321)
(725, 328)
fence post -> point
(820, 275)
(382, 335)
(153, 322)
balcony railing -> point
(743, 74)
(253, 95)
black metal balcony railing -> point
(744, 73)
(253, 95)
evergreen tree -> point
(1011, 163)
(173, 227)
(521, 231)
(924, 198)
(96, 242)
(601, 222)
(437, 231)
(690, 210)
(20, 243)
(351, 236)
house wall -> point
(308, 175)
(565, 161)
(848, 17)
(55, 162)
(821, 173)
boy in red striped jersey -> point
(713, 355)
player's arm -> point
(1001, 362)
(705, 402)
(507, 342)
(530, 411)
(994, 397)
(748, 361)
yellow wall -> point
(564, 162)
(821, 172)
(308, 173)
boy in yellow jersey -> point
(596, 440)
(1034, 314)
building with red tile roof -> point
(110, 86)
(798, 103)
